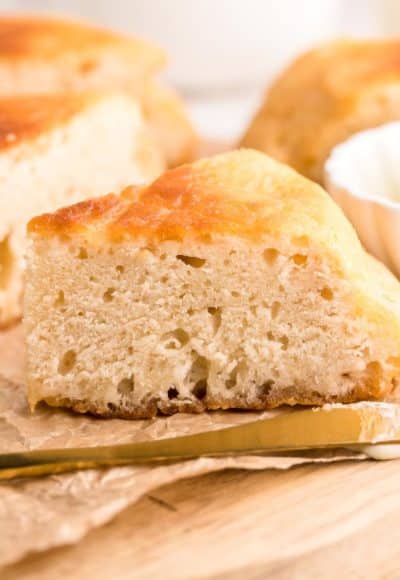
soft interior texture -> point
(102, 149)
(129, 330)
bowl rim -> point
(331, 182)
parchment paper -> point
(42, 513)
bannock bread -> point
(53, 55)
(232, 282)
(56, 150)
(325, 96)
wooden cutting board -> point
(315, 521)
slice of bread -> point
(53, 55)
(57, 150)
(232, 282)
(326, 95)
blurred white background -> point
(223, 53)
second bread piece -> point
(229, 283)
(57, 55)
(56, 150)
(326, 95)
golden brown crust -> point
(29, 37)
(240, 193)
(154, 405)
(325, 96)
(23, 118)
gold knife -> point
(296, 430)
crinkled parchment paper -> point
(39, 514)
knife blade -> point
(296, 430)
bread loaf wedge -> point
(232, 282)
(325, 96)
(49, 55)
(56, 150)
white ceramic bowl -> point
(363, 176)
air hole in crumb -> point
(253, 310)
(120, 269)
(299, 259)
(93, 278)
(108, 294)
(80, 313)
(126, 386)
(270, 256)
(172, 393)
(6, 262)
(163, 257)
(82, 254)
(67, 362)
(198, 371)
(175, 339)
(270, 336)
(275, 308)
(191, 261)
(326, 293)
(164, 279)
(266, 388)
(232, 381)
(346, 375)
(200, 389)
(235, 294)
(216, 317)
(130, 350)
(60, 300)
(284, 342)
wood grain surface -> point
(333, 521)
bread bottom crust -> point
(155, 405)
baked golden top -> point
(24, 118)
(326, 95)
(241, 193)
(49, 39)
(348, 65)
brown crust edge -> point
(150, 408)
